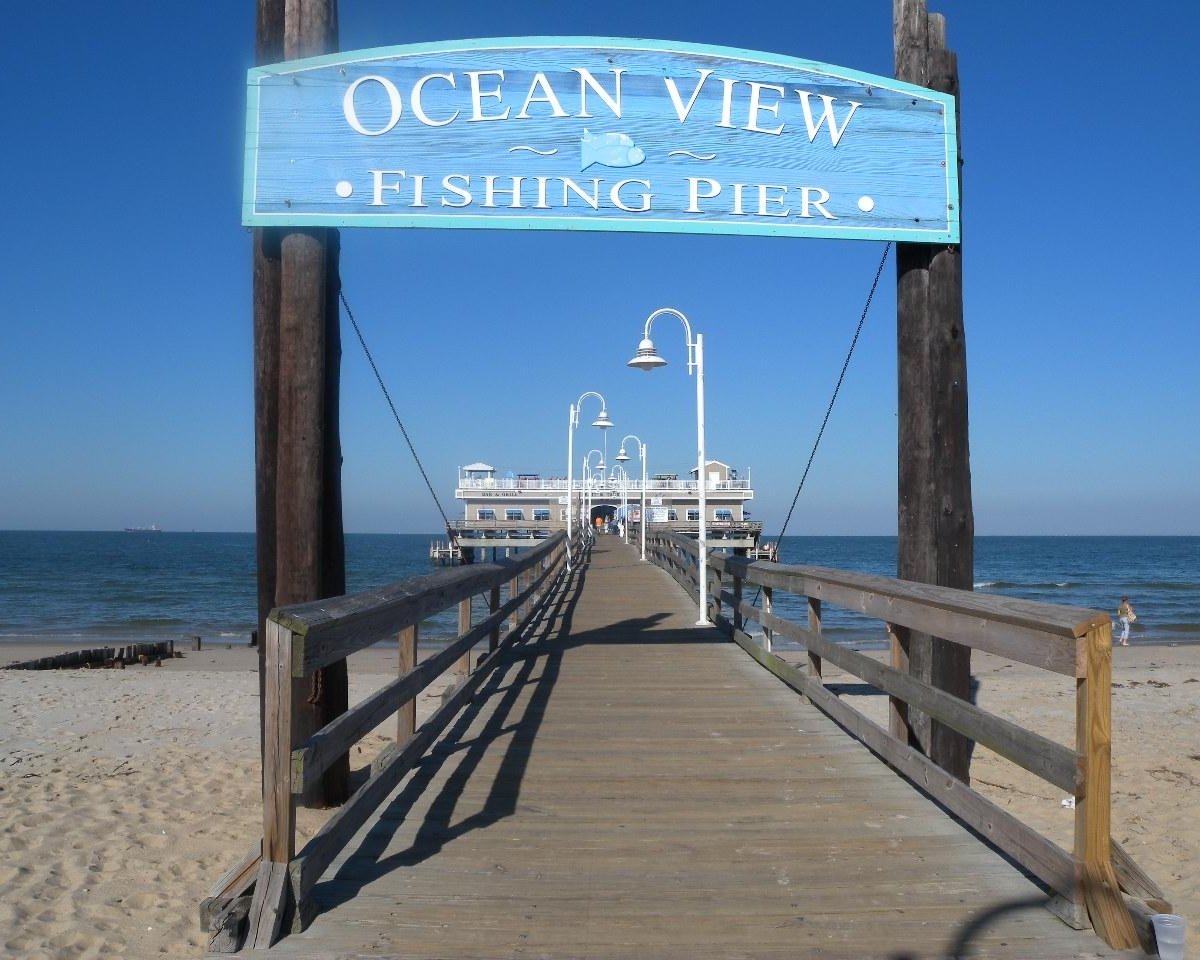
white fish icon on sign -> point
(609, 150)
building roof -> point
(480, 466)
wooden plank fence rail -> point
(1097, 881)
(268, 891)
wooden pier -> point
(623, 784)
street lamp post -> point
(588, 474)
(603, 422)
(622, 456)
(647, 359)
(618, 475)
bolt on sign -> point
(585, 133)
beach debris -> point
(101, 657)
(1068, 802)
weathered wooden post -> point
(268, 48)
(297, 364)
(406, 717)
(936, 524)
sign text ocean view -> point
(584, 133)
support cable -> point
(387, 396)
(833, 399)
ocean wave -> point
(1016, 585)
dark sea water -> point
(111, 588)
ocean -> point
(113, 588)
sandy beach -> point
(127, 793)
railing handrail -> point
(325, 631)
(1065, 640)
(560, 483)
(301, 639)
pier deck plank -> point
(630, 786)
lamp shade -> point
(602, 421)
(622, 456)
(647, 357)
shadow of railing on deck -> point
(1098, 881)
(436, 830)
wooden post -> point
(935, 515)
(766, 594)
(268, 48)
(406, 718)
(493, 606)
(298, 450)
(814, 626)
(737, 604)
(897, 707)
(463, 665)
(1093, 844)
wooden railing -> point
(272, 884)
(1098, 880)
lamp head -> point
(622, 456)
(602, 421)
(600, 465)
(647, 357)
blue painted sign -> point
(585, 133)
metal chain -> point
(833, 399)
(388, 397)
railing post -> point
(406, 718)
(463, 666)
(737, 603)
(712, 591)
(767, 641)
(279, 804)
(897, 708)
(493, 606)
(1097, 881)
(814, 626)
(272, 887)
(514, 589)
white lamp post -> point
(603, 423)
(647, 358)
(622, 456)
(617, 475)
(588, 476)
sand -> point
(126, 794)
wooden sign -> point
(584, 133)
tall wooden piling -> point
(936, 526)
(297, 375)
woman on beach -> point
(1126, 615)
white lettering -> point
(489, 192)
(448, 183)
(586, 80)
(680, 110)
(478, 94)
(835, 133)
(738, 209)
(806, 201)
(379, 186)
(570, 186)
(418, 191)
(615, 196)
(694, 195)
(540, 82)
(764, 199)
(756, 108)
(726, 103)
(350, 112)
(418, 108)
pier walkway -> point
(628, 785)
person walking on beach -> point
(1126, 615)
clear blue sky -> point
(125, 322)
